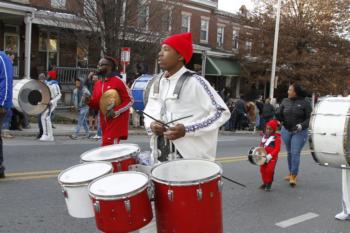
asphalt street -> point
(31, 200)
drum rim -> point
(251, 157)
(190, 182)
(82, 183)
(117, 159)
(121, 196)
(132, 86)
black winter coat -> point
(293, 111)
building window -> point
(248, 47)
(48, 50)
(90, 8)
(60, 4)
(186, 23)
(204, 30)
(82, 55)
(166, 21)
(220, 37)
(235, 40)
(143, 15)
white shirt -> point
(197, 98)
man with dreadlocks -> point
(114, 119)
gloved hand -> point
(298, 127)
(268, 158)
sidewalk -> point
(69, 128)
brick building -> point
(43, 33)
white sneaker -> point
(45, 138)
(342, 216)
(96, 137)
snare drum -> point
(74, 182)
(121, 155)
(121, 202)
(329, 132)
(188, 196)
(257, 156)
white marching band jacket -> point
(55, 91)
(197, 98)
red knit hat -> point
(273, 124)
(182, 43)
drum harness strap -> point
(166, 150)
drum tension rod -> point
(233, 181)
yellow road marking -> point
(34, 175)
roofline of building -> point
(16, 7)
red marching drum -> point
(120, 155)
(188, 196)
(121, 202)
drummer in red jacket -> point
(271, 141)
(115, 122)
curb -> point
(138, 132)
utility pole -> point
(275, 46)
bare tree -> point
(313, 45)
(139, 24)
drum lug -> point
(65, 194)
(127, 206)
(170, 195)
(220, 185)
(97, 206)
(199, 194)
(119, 167)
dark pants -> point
(2, 116)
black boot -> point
(263, 186)
(268, 187)
(2, 172)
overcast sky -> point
(234, 5)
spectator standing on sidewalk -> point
(94, 114)
(6, 76)
(268, 112)
(79, 94)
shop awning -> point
(217, 66)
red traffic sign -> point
(125, 55)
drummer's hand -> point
(2, 110)
(110, 114)
(176, 132)
(157, 128)
(268, 158)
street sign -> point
(125, 56)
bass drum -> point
(329, 132)
(139, 91)
(31, 96)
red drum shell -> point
(112, 216)
(185, 213)
(122, 164)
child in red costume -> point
(271, 141)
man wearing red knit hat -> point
(178, 93)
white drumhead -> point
(186, 171)
(118, 184)
(84, 173)
(329, 131)
(107, 153)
